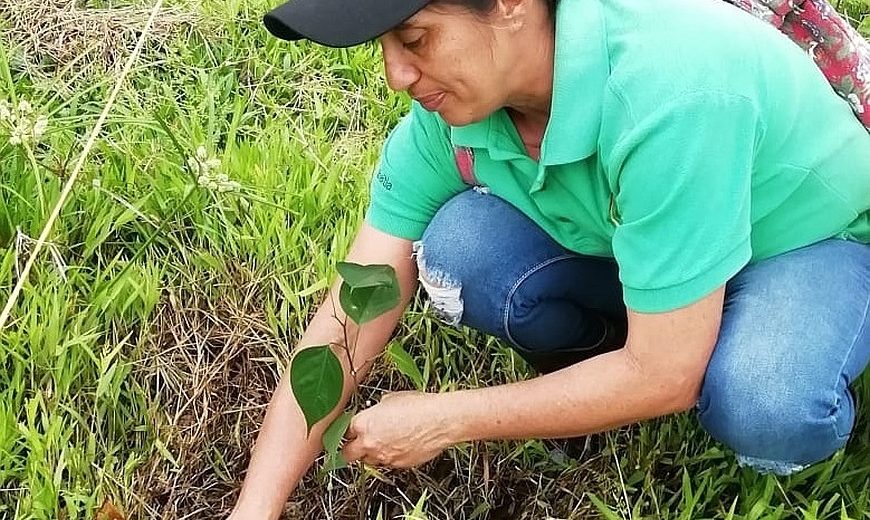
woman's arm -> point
(282, 454)
(658, 372)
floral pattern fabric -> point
(838, 49)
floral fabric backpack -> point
(837, 48)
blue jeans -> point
(795, 329)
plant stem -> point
(345, 347)
(37, 178)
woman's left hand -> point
(404, 430)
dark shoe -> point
(545, 362)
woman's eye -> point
(412, 39)
(413, 44)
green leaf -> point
(333, 435)
(357, 276)
(419, 511)
(334, 461)
(406, 365)
(602, 508)
(332, 442)
(316, 379)
(164, 451)
(367, 291)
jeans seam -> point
(843, 365)
(516, 286)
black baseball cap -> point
(339, 23)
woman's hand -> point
(404, 430)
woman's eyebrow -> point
(407, 25)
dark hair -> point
(487, 6)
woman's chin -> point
(459, 117)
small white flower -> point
(227, 186)
(22, 123)
(24, 107)
(208, 174)
(39, 127)
(20, 133)
(202, 163)
(96, 183)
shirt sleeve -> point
(416, 175)
(682, 179)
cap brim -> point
(339, 23)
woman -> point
(672, 211)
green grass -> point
(141, 354)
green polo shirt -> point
(686, 139)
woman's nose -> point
(401, 73)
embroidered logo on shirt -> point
(385, 181)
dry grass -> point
(47, 35)
(211, 364)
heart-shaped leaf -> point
(356, 275)
(367, 291)
(332, 442)
(317, 380)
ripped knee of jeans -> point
(444, 293)
(765, 466)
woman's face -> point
(453, 61)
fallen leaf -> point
(108, 511)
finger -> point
(393, 395)
(353, 429)
(353, 451)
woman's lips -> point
(433, 101)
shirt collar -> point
(493, 133)
(581, 69)
(475, 135)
